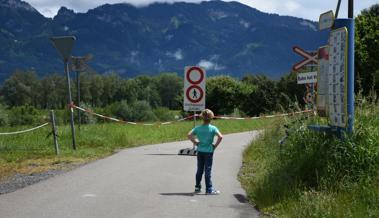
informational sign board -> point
(309, 58)
(304, 78)
(326, 20)
(337, 77)
(194, 89)
(322, 78)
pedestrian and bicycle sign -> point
(194, 88)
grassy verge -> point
(314, 174)
(34, 152)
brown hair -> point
(207, 115)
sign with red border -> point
(194, 88)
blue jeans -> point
(204, 163)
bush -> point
(3, 116)
(163, 114)
(137, 111)
(85, 118)
(26, 115)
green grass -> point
(314, 174)
(34, 151)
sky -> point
(308, 9)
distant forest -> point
(252, 95)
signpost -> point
(340, 71)
(309, 78)
(64, 46)
(78, 64)
(194, 89)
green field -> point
(34, 151)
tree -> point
(96, 90)
(112, 84)
(20, 89)
(261, 95)
(53, 92)
(221, 94)
(169, 86)
(367, 47)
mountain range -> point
(226, 38)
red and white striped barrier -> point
(185, 118)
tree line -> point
(252, 95)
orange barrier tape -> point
(187, 118)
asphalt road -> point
(149, 181)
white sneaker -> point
(213, 192)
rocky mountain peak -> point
(17, 4)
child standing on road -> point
(203, 137)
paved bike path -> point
(149, 181)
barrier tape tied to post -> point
(186, 118)
(24, 131)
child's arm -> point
(219, 139)
(192, 138)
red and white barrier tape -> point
(24, 131)
(186, 118)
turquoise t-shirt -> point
(205, 134)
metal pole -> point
(351, 67)
(78, 96)
(349, 24)
(338, 8)
(351, 9)
(70, 103)
(54, 129)
(350, 72)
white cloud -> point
(292, 6)
(209, 65)
(178, 54)
(297, 8)
(310, 25)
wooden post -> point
(194, 119)
(54, 131)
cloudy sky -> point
(309, 9)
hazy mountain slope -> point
(224, 37)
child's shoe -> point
(213, 192)
(197, 190)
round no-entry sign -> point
(195, 75)
(194, 93)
